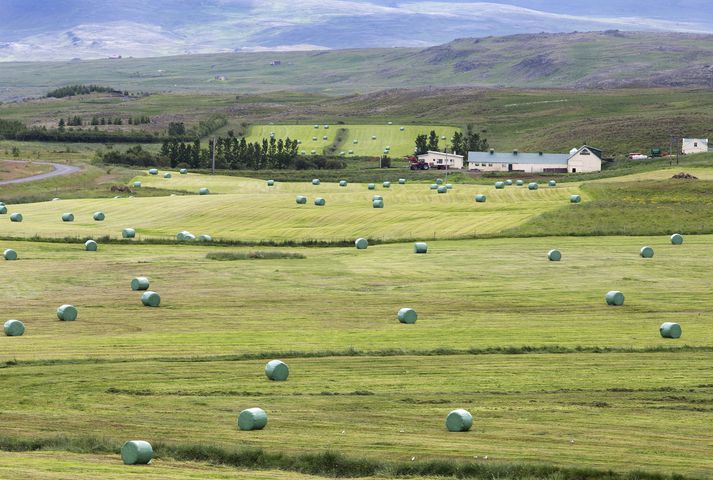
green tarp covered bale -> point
(342, 183)
(386, 184)
(646, 252)
(499, 185)
(270, 183)
(320, 202)
(520, 183)
(205, 238)
(153, 171)
(167, 175)
(552, 183)
(91, 246)
(184, 171)
(378, 203)
(377, 197)
(402, 181)
(3, 210)
(10, 254)
(554, 255)
(315, 181)
(676, 239)
(434, 186)
(185, 235)
(139, 283)
(449, 186)
(16, 217)
(670, 330)
(203, 191)
(508, 182)
(420, 247)
(361, 243)
(14, 328)
(480, 198)
(128, 233)
(136, 452)
(67, 313)
(300, 200)
(459, 421)
(277, 370)
(371, 186)
(252, 419)
(615, 298)
(442, 189)
(532, 186)
(575, 198)
(151, 299)
(67, 217)
(137, 184)
(407, 315)
(439, 181)
(99, 216)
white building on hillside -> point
(579, 160)
(694, 145)
(442, 160)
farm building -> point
(579, 160)
(694, 145)
(442, 160)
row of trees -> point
(461, 142)
(72, 90)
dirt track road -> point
(59, 170)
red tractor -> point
(416, 164)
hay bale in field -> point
(139, 283)
(361, 243)
(67, 313)
(324, 137)
(91, 246)
(153, 171)
(532, 186)
(390, 123)
(575, 199)
(615, 298)
(670, 330)
(315, 181)
(185, 236)
(99, 216)
(377, 197)
(459, 420)
(342, 183)
(252, 419)
(449, 186)
(552, 183)
(520, 183)
(676, 239)
(407, 315)
(371, 186)
(270, 183)
(136, 452)
(554, 255)
(314, 139)
(316, 126)
(3, 210)
(373, 137)
(646, 252)
(205, 238)
(433, 186)
(137, 184)
(16, 217)
(351, 152)
(508, 182)
(167, 175)
(326, 127)
(300, 200)
(128, 233)
(151, 299)
(499, 185)
(386, 184)
(14, 328)
(203, 191)
(439, 181)
(402, 129)
(184, 171)
(480, 198)
(67, 217)
(319, 201)
(442, 189)
(420, 247)
(10, 254)
(402, 181)
(355, 142)
(277, 370)
(56, 199)
(377, 203)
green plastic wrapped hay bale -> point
(67, 313)
(315, 181)
(407, 315)
(252, 419)
(377, 203)
(128, 233)
(373, 137)
(520, 183)
(371, 186)
(139, 283)
(137, 184)
(300, 200)
(277, 370)
(439, 181)
(184, 171)
(552, 183)
(361, 243)
(480, 198)
(508, 182)
(205, 238)
(319, 201)
(434, 186)
(326, 127)
(575, 199)
(314, 139)
(10, 254)
(377, 197)
(402, 129)
(153, 171)
(270, 183)
(16, 217)
(402, 181)
(99, 216)
(459, 421)
(313, 152)
(554, 255)
(91, 246)
(14, 328)
(184, 235)
(676, 239)
(449, 186)
(151, 299)
(3, 210)
(67, 217)
(355, 142)
(615, 298)
(167, 175)
(646, 252)
(136, 452)
(203, 191)
(342, 183)
(533, 186)
(316, 126)
(420, 247)
(499, 185)
(56, 199)
(670, 330)
(386, 184)
(442, 189)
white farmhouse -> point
(579, 160)
(694, 145)
(442, 160)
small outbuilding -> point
(441, 160)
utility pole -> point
(212, 154)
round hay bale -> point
(434, 186)
(16, 217)
(203, 191)
(351, 152)
(520, 183)
(270, 183)
(151, 299)
(508, 182)
(137, 184)
(402, 181)
(480, 198)
(277, 370)
(361, 243)
(67, 313)
(252, 419)
(3, 210)
(442, 189)
(91, 246)
(128, 233)
(390, 123)
(499, 185)
(316, 126)
(377, 197)
(532, 186)
(439, 181)
(205, 238)
(153, 171)
(314, 139)
(14, 328)
(459, 421)
(402, 129)
(99, 216)
(552, 183)
(184, 171)
(407, 315)
(554, 255)
(575, 199)
(167, 175)
(136, 452)
(185, 236)
(315, 181)
(10, 254)
(668, 330)
(646, 252)
(676, 239)
(373, 137)
(378, 203)
(449, 186)
(342, 183)
(55, 199)
(386, 184)
(615, 298)
(319, 201)
(326, 127)
(139, 283)
(355, 142)
(324, 137)
(420, 247)
(371, 186)
(301, 200)
(67, 217)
